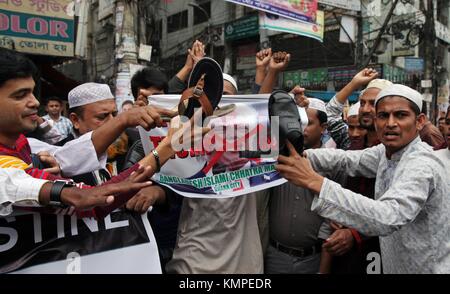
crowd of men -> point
(374, 180)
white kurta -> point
(76, 157)
(411, 210)
(17, 187)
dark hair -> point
(322, 116)
(78, 110)
(127, 102)
(448, 111)
(415, 108)
(53, 98)
(149, 77)
(14, 65)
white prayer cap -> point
(230, 79)
(88, 93)
(317, 104)
(354, 109)
(402, 91)
(379, 83)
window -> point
(199, 14)
(177, 21)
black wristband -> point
(55, 192)
(158, 164)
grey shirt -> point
(218, 236)
(292, 223)
(411, 210)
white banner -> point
(300, 10)
(281, 24)
(214, 172)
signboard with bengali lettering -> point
(38, 26)
(242, 28)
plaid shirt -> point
(63, 125)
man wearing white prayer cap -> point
(367, 109)
(412, 196)
(90, 105)
(229, 85)
(317, 123)
(356, 132)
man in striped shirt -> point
(61, 123)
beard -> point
(370, 126)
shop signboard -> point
(38, 26)
(242, 28)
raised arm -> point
(278, 63)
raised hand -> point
(299, 96)
(263, 57)
(195, 53)
(279, 61)
(364, 77)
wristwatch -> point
(55, 192)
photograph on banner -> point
(40, 243)
(277, 23)
(236, 157)
(37, 27)
(300, 10)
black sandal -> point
(281, 104)
(205, 89)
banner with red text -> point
(229, 163)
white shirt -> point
(411, 210)
(17, 187)
(444, 155)
(76, 157)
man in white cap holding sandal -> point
(411, 208)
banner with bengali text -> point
(226, 165)
(43, 27)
